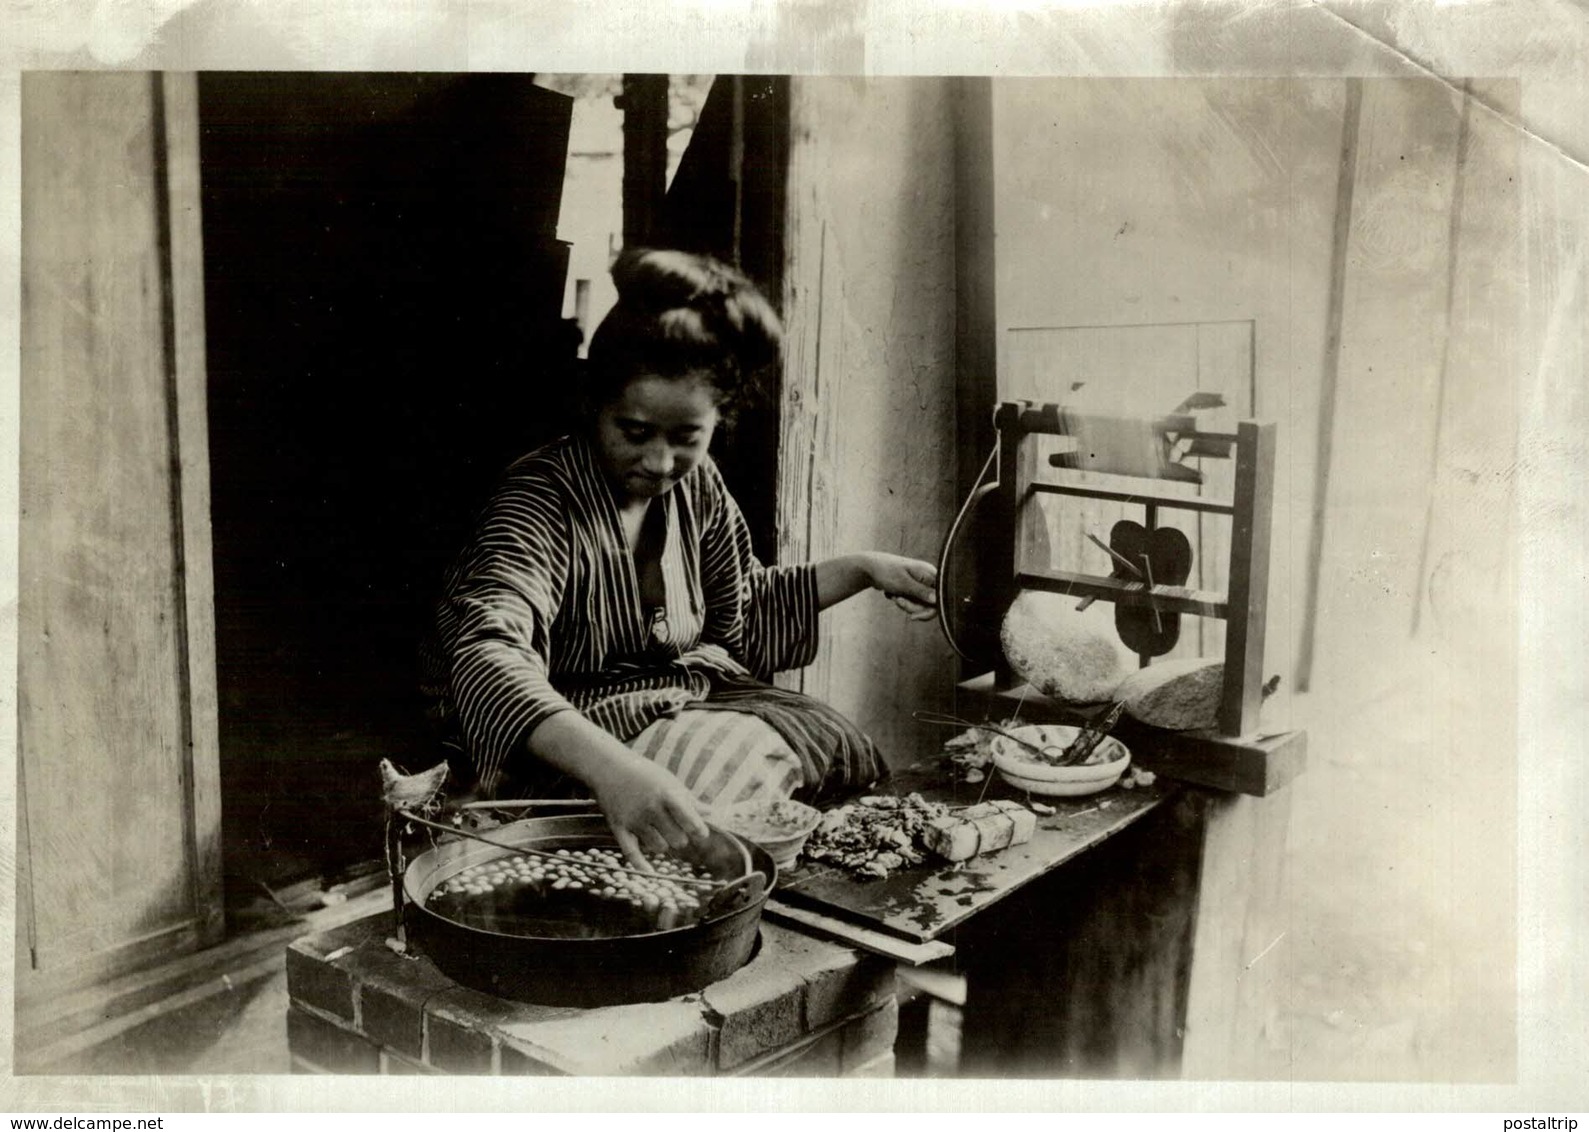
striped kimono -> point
(542, 613)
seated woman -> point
(608, 622)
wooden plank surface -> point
(868, 450)
(804, 283)
(922, 903)
(90, 1020)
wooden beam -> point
(1172, 502)
(1453, 235)
(1249, 580)
(976, 335)
(813, 305)
(1346, 180)
(645, 155)
(188, 417)
(1168, 599)
(1257, 766)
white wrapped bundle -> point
(1061, 652)
(984, 828)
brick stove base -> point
(801, 1007)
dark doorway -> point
(383, 291)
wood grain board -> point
(824, 926)
(120, 820)
(922, 903)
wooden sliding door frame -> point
(177, 163)
(43, 976)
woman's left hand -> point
(909, 583)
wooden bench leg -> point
(1083, 972)
(1239, 951)
(1135, 960)
(910, 1046)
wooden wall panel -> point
(868, 414)
(1393, 334)
(103, 668)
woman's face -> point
(654, 432)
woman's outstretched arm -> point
(909, 582)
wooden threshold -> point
(49, 1033)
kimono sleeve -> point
(764, 616)
(504, 598)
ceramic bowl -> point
(783, 838)
(1024, 770)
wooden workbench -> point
(1134, 936)
(925, 903)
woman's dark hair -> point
(677, 314)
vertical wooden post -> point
(1345, 185)
(1003, 555)
(1249, 578)
(803, 442)
(976, 342)
(1436, 449)
(645, 155)
(1238, 952)
(1033, 549)
(187, 382)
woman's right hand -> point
(645, 804)
(647, 808)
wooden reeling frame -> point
(1243, 607)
